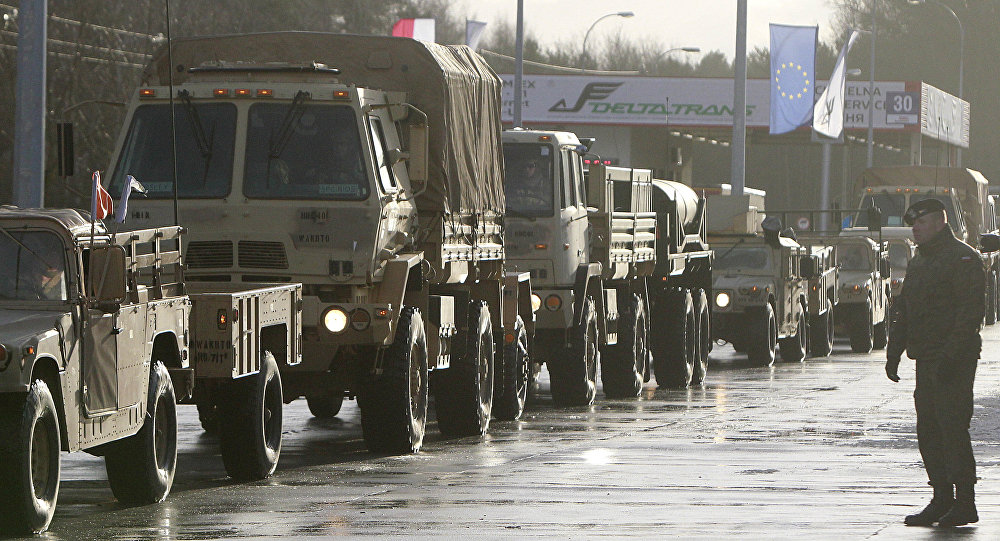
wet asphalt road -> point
(825, 449)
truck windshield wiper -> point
(730, 250)
(205, 143)
(278, 143)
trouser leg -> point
(953, 399)
(929, 434)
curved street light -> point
(583, 55)
(961, 54)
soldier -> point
(937, 320)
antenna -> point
(173, 126)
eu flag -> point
(793, 60)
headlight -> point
(536, 302)
(553, 302)
(722, 300)
(335, 320)
(360, 319)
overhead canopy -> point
(452, 84)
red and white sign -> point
(422, 29)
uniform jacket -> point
(940, 312)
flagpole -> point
(739, 146)
(173, 127)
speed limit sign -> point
(902, 107)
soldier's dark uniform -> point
(937, 320)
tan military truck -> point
(375, 180)
(965, 194)
(99, 340)
(760, 297)
(823, 288)
(901, 251)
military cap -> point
(922, 208)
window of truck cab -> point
(304, 151)
(528, 185)
(380, 153)
(205, 134)
(32, 266)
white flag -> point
(131, 184)
(473, 32)
(828, 113)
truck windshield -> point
(32, 266)
(893, 206)
(528, 187)
(304, 151)
(854, 257)
(754, 258)
(205, 136)
(898, 255)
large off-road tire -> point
(821, 333)
(573, 374)
(880, 335)
(860, 329)
(793, 348)
(29, 461)
(250, 437)
(704, 343)
(510, 390)
(991, 298)
(141, 467)
(463, 393)
(325, 405)
(394, 404)
(208, 409)
(623, 365)
(762, 331)
(674, 339)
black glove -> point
(892, 367)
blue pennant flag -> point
(793, 82)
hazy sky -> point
(708, 24)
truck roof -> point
(521, 135)
(452, 84)
(75, 222)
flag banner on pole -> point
(100, 199)
(131, 184)
(828, 113)
(793, 60)
(422, 29)
(473, 33)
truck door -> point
(574, 208)
(100, 363)
(132, 355)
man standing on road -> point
(937, 320)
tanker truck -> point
(589, 241)
(375, 180)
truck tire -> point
(141, 467)
(30, 466)
(880, 336)
(674, 340)
(821, 333)
(704, 328)
(250, 437)
(208, 409)
(860, 329)
(793, 348)
(510, 389)
(463, 393)
(394, 404)
(622, 365)
(325, 405)
(573, 375)
(991, 298)
(763, 336)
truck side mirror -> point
(807, 266)
(418, 156)
(874, 219)
(396, 155)
(989, 242)
(884, 269)
(106, 275)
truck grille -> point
(212, 254)
(262, 255)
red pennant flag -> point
(100, 199)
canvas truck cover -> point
(452, 84)
(971, 186)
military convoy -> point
(619, 266)
(100, 338)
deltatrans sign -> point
(586, 99)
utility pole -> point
(518, 63)
(29, 106)
(739, 146)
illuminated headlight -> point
(536, 302)
(335, 320)
(722, 299)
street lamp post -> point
(673, 50)
(961, 56)
(583, 55)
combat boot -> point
(964, 510)
(941, 503)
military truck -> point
(760, 297)
(901, 251)
(98, 342)
(965, 194)
(823, 288)
(377, 182)
(588, 237)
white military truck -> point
(377, 182)
(99, 340)
(760, 295)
